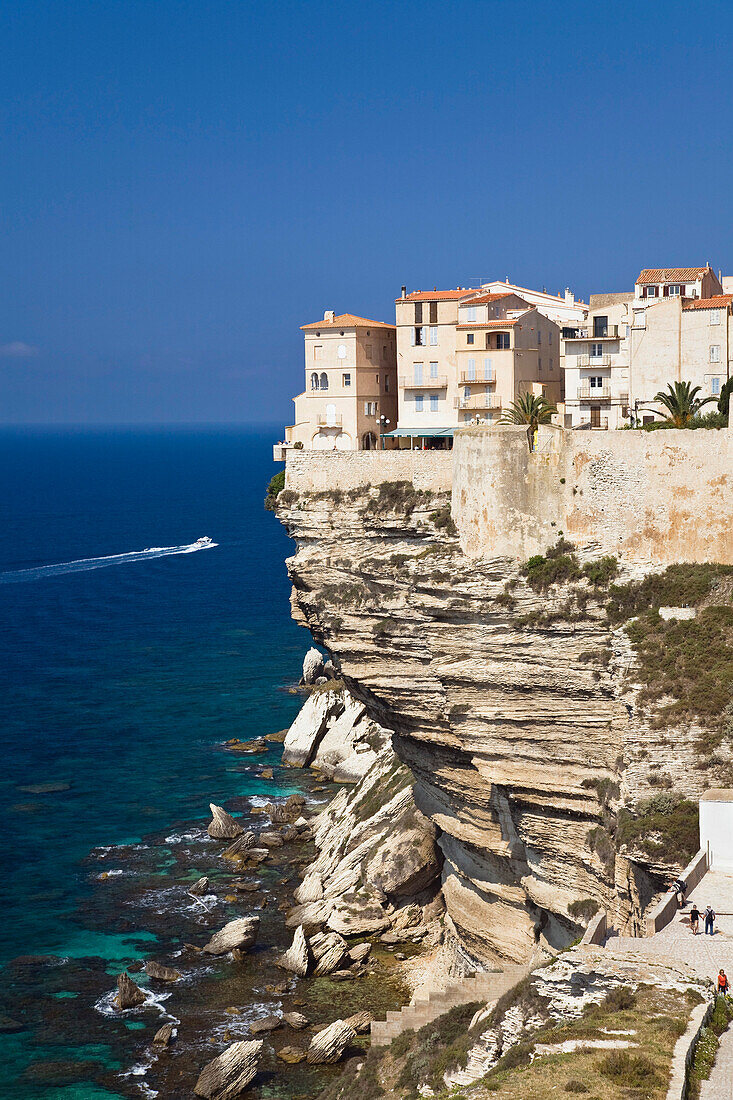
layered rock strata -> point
(509, 710)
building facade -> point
(350, 395)
(597, 386)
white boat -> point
(204, 541)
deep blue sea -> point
(119, 683)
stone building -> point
(597, 365)
(350, 395)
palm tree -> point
(682, 403)
(724, 399)
(532, 410)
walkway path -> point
(675, 945)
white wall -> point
(716, 833)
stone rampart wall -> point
(317, 471)
(650, 498)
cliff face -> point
(510, 709)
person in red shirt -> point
(722, 981)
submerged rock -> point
(267, 1023)
(228, 1075)
(296, 1020)
(129, 995)
(328, 1046)
(291, 1055)
(241, 846)
(240, 934)
(161, 973)
(297, 957)
(201, 886)
(222, 826)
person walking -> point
(722, 982)
(709, 921)
(694, 918)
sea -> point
(128, 656)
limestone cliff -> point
(516, 712)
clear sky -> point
(184, 183)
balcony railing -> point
(594, 360)
(478, 401)
(410, 383)
(332, 420)
(596, 393)
(485, 376)
(606, 332)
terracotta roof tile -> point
(483, 298)
(493, 324)
(720, 301)
(670, 274)
(436, 295)
(347, 320)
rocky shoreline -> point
(256, 951)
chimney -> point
(404, 292)
(569, 296)
(329, 315)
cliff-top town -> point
(460, 357)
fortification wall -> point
(647, 497)
(317, 471)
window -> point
(314, 381)
(715, 353)
(346, 379)
(551, 363)
(596, 382)
(472, 369)
(469, 337)
(651, 292)
(433, 335)
(433, 402)
(433, 370)
(471, 315)
(370, 408)
(418, 313)
(318, 351)
(596, 351)
(386, 383)
(369, 352)
(324, 381)
(539, 337)
(549, 338)
(714, 317)
(502, 340)
(673, 291)
(539, 363)
(417, 373)
(433, 318)
(600, 325)
(418, 402)
(376, 377)
(715, 385)
(384, 351)
(487, 370)
(418, 337)
(639, 318)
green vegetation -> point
(682, 403)
(441, 517)
(275, 486)
(707, 1046)
(444, 1042)
(633, 1071)
(397, 496)
(665, 828)
(584, 908)
(678, 586)
(560, 564)
(529, 409)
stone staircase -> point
(485, 986)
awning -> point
(419, 433)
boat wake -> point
(83, 564)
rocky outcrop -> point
(227, 1076)
(222, 825)
(514, 719)
(164, 1035)
(239, 934)
(312, 666)
(329, 1045)
(297, 958)
(129, 995)
(161, 973)
(334, 734)
(201, 886)
(241, 847)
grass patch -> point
(441, 517)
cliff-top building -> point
(350, 395)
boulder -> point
(200, 886)
(222, 825)
(129, 995)
(313, 914)
(361, 1022)
(357, 915)
(277, 813)
(164, 1035)
(328, 1046)
(312, 666)
(297, 958)
(161, 973)
(407, 862)
(296, 1020)
(359, 952)
(267, 773)
(304, 736)
(228, 1075)
(240, 933)
(241, 846)
(294, 804)
(259, 855)
(291, 1055)
(271, 840)
(329, 950)
(310, 889)
(267, 1023)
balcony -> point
(478, 401)
(607, 332)
(593, 360)
(409, 383)
(477, 378)
(594, 393)
(332, 420)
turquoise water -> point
(120, 683)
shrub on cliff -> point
(276, 485)
(665, 827)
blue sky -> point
(184, 183)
